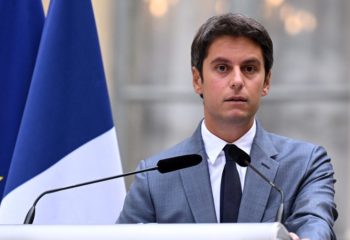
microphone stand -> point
(31, 213)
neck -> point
(229, 132)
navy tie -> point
(231, 192)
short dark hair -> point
(233, 25)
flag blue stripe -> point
(68, 103)
(21, 24)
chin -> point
(239, 119)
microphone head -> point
(178, 162)
(242, 158)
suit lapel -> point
(197, 188)
(196, 183)
(256, 191)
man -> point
(232, 57)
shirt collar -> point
(214, 145)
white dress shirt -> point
(216, 159)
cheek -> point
(257, 87)
(211, 92)
(214, 89)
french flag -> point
(67, 135)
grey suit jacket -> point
(302, 170)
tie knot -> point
(234, 153)
(230, 151)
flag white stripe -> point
(102, 201)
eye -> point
(250, 69)
(222, 68)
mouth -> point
(237, 99)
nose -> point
(236, 78)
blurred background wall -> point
(146, 52)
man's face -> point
(233, 81)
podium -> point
(239, 231)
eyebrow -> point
(252, 60)
(220, 60)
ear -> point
(197, 81)
(266, 86)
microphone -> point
(163, 166)
(244, 161)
